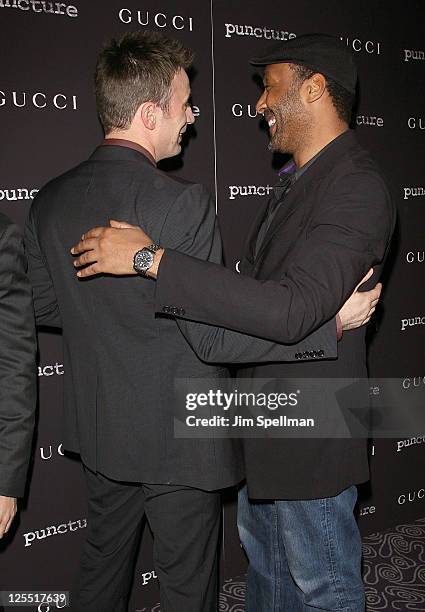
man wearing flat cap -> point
(330, 221)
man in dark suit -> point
(121, 362)
(332, 221)
(18, 372)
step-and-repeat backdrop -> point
(48, 124)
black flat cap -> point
(320, 52)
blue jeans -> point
(303, 555)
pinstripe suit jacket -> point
(18, 376)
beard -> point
(292, 125)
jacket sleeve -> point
(194, 214)
(18, 374)
(220, 345)
(45, 303)
(349, 234)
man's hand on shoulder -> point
(360, 306)
(110, 250)
(7, 513)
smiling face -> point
(288, 119)
(174, 120)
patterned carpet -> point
(393, 570)
(232, 596)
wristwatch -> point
(143, 259)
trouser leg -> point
(270, 587)
(185, 523)
(115, 515)
(323, 548)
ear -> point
(148, 114)
(314, 87)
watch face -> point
(143, 260)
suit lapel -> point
(250, 249)
(286, 208)
(247, 263)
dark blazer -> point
(121, 361)
(334, 224)
(18, 372)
